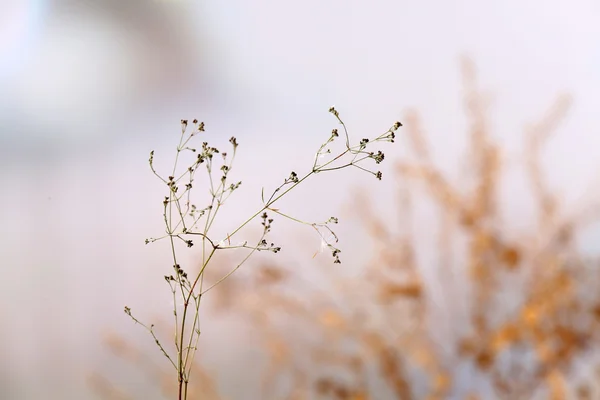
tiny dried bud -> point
(377, 157)
(334, 133)
(378, 175)
(293, 177)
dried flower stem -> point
(181, 219)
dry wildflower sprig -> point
(185, 222)
(357, 150)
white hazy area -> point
(89, 88)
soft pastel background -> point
(89, 87)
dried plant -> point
(186, 223)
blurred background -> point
(89, 88)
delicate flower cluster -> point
(358, 152)
(266, 222)
(293, 178)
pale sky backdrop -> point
(89, 87)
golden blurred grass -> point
(518, 310)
